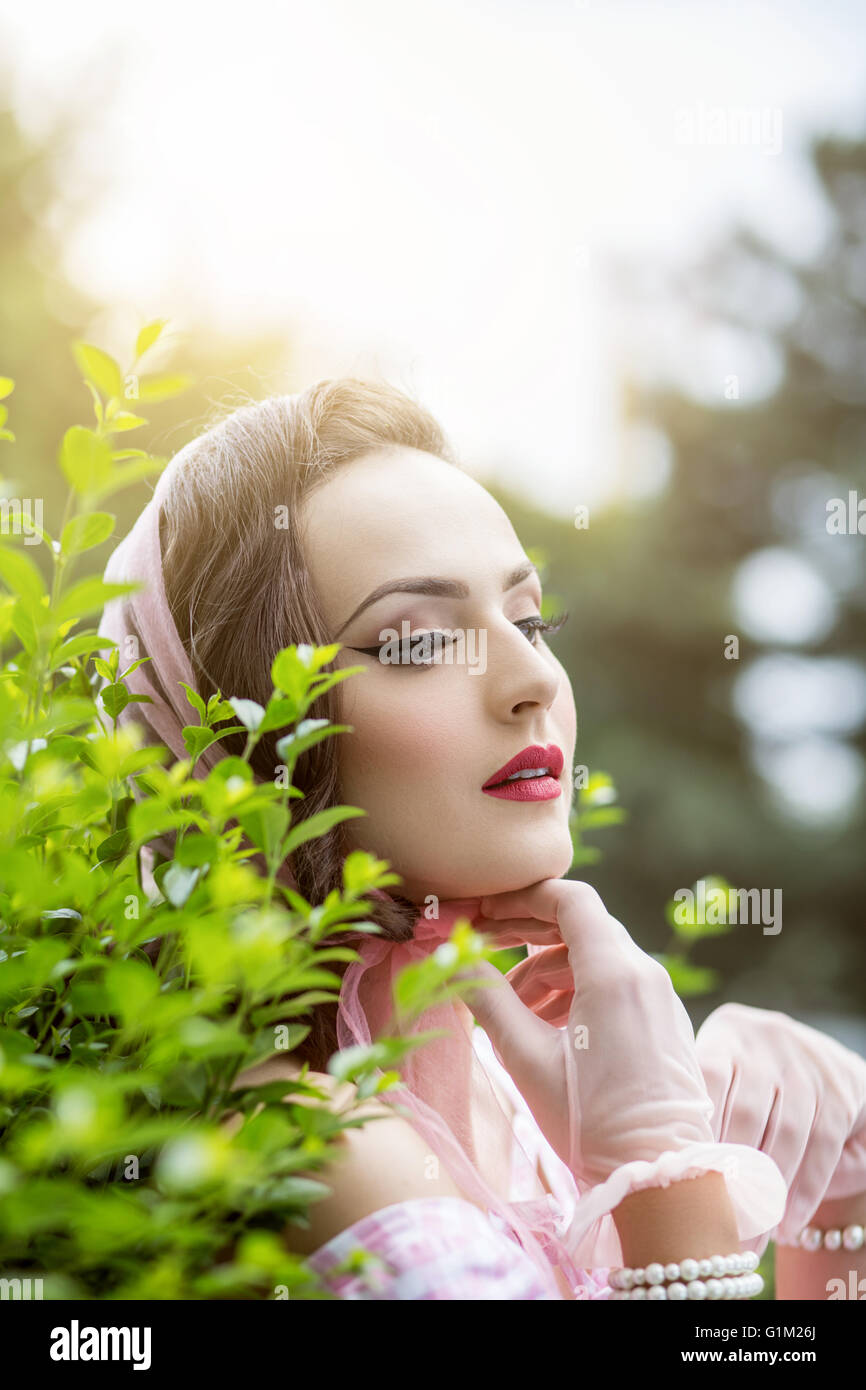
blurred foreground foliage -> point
(134, 1164)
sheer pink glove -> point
(793, 1092)
(618, 1092)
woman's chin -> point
(502, 868)
(519, 869)
(508, 876)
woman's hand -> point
(622, 1080)
(776, 1084)
(792, 1091)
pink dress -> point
(448, 1248)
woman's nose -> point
(519, 674)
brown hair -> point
(239, 589)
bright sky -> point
(434, 190)
(430, 189)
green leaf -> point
(133, 666)
(196, 849)
(85, 532)
(197, 739)
(150, 818)
(292, 667)
(601, 816)
(88, 596)
(265, 826)
(130, 987)
(148, 336)
(7, 386)
(115, 698)
(708, 911)
(115, 847)
(248, 712)
(24, 625)
(98, 368)
(141, 758)
(599, 791)
(178, 882)
(351, 1062)
(161, 388)
(81, 645)
(308, 733)
(218, 710)
(688, 979)
(195, 700)
(361, 872)
(20, 573)
(123, 420)
(319, 824)
(125, 477)
(85, 459)
(279, 713)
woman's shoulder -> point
(381, 1164)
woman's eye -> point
(539, 624)
(418, 650)
(421, 649)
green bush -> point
(121, 1176)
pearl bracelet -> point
(686, 1271)
(738, 1286)
(811, 1238)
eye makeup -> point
(429, 647)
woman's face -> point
(427, 739)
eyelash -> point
(535, 623)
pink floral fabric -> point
(448, 1248)
(436, 1248)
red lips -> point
(529, 789)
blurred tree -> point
(42, 313)
(649, 587)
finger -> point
(822, 1146)
(552, 1005)
(519, 931)
(544, 983)
(537, 976)
(746, 1107)
(534, 993)
(555, 1010)
(849, 1178)
(595, 938)
(539, 901)
(518, 1037)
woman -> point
(574, 1133)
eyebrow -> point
(442, 588)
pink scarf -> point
(447, 1093)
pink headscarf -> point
(447, 1093)
(144, 619)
